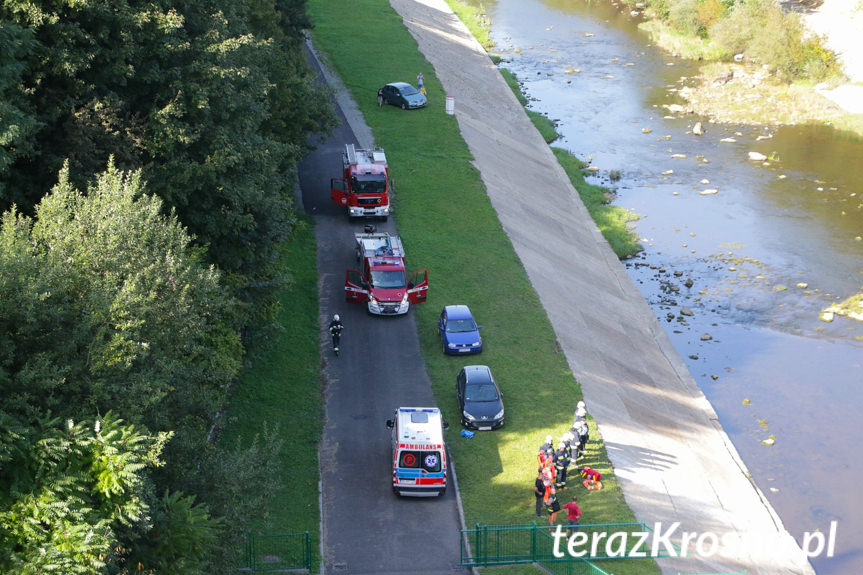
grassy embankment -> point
(449, 226)
(280, 393)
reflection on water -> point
(765, 249)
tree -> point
(213, 100)
(17, 123)
(105, 304)
(77, 488)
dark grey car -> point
(403, 95)
(479, 398)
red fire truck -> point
(366, 184)
(383, 283)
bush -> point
(709, 12)
(743, 23)
(683, 17)
(820, 63)
(766, 34)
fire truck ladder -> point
(350, 154)
(377, 245)
(354, 157)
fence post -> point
(485, 541)
(308, 552)
(533, 542)
(477, 546)
(250, 549)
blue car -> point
(459, 332)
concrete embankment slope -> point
(674, 461)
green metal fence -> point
(489, 545)
(285, 552)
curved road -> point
(365, 528)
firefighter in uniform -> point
(561, 463)
(336, 328)
(545, 449)
(583, 436)
(567, 439)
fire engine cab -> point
(419, 453)
(365, 186)
(382, 282)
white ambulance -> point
(419, 453)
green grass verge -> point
(542, 122)
(474, 17)
(449, 226)
(613, 221)
(280, 391)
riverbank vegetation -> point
(760, 32)
(762, 64)
(147, 161)
(495, 470)
(543, 124)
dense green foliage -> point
(761, 30)
(116, 299)
(105, 306)
(211, 99)
(72, 492)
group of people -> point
(553, 466)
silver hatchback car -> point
(403, 95)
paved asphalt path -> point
(366, 528)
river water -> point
(765, 246)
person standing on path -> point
(421, 84)
(573, 514)
(539, 492)
(336, 328)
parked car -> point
(458, 331)
(479, 398)
(404, 95)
